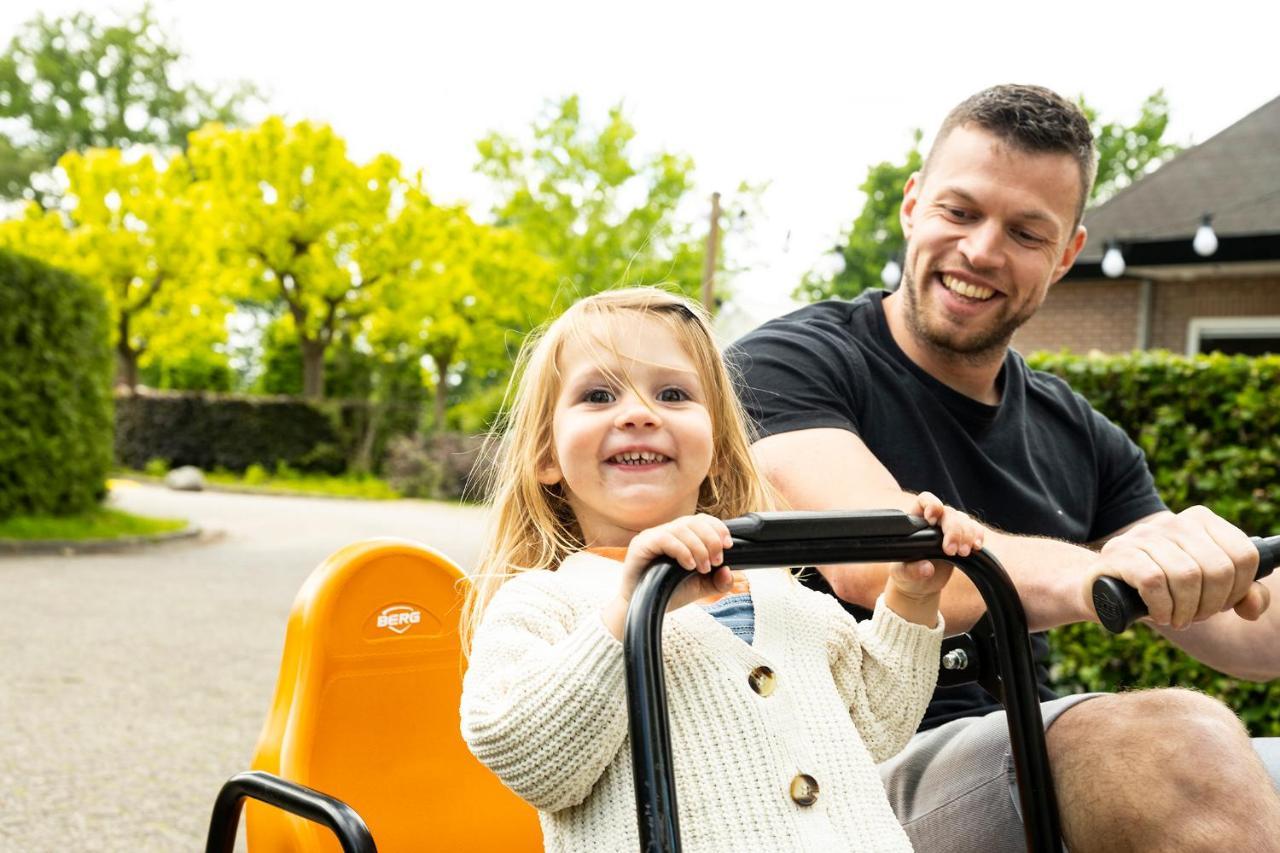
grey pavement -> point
(133, 684)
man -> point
(862, 403)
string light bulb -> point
(1113, 261)
(1205, 243)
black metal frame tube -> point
(352, 832)
(646, 686)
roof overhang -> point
(1175, 260)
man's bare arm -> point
(832, 469)
(1235, 646)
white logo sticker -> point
(399, 618)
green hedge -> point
(235, 431)
(221, 431)
(55, 390)
(1208, 425)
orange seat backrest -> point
(366, 710)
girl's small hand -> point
(695, 542)
(914, 589)
(961, 535)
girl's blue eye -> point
(672, 395)
(597, 395)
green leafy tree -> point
(1126, 152)
(468, 296)
(302, 225)
(131, 228)
(875, 236)
(585, 201)
(199, 370)
(71, 83)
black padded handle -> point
(793, 526)
(1119, 605)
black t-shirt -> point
(1042, 462)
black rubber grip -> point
(1119, 605)
(864, 524)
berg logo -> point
(399, 618)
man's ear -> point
(1070, 253)
(910, 195)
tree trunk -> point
(442, 391)
(363, 461)
(312, 369)
(126, 368)
(126, 357)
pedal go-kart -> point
(362, 740)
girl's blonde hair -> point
(532, 524)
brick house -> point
(1169, 297)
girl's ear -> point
(549, 474)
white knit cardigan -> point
(544, 707)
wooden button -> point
(763, 681)
(804, 790)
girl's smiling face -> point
(631, 430)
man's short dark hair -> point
(1031, 119)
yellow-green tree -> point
(301, 224)
(463, 300)
(129, 225)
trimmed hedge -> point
(235, 431)
(55, 390)
(217, 431)
(1208, 425)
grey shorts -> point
(954, 789)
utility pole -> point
(713, 248)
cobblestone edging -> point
(23, 547)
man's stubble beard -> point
(979, 350)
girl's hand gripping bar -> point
(1119, 605)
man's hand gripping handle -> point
(1119, 605)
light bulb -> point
(891, 274)
(1113, 262)
(1205, 242)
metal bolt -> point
(955, 659)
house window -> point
(1234, 335)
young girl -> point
(624, 442)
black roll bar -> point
(352, 832)
(763, 540)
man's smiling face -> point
(989, 229)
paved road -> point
(133, 684)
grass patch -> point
(286, 481)
(98, 523)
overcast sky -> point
(802, 95)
